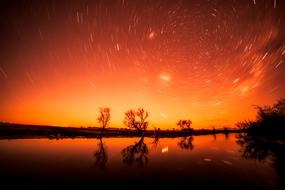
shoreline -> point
(18, 131)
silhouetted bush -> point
(270, 121)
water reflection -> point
(186, 142)
(214, 136)
(209, 162)
(101, 156)
(226, 135)
(136, 154)
(253, 147)
(155, 141)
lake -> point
(196, 160)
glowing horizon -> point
(204, 61)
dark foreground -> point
(47, 157)
(222, 161)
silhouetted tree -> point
(100, 155)
(186, 143)
(104, 117)
(269, 123)
(214, 133)
(279, 107)
(136, 119)
(136, 153)
(261, 138)
(185, 124)
(226, 133)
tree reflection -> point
(226, 136)
(100, 155)
(252, 147)
(155, 141)
(186, 142)
(214, 136)
(226, 133)
(260, 149)
(136, 153)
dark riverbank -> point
(17, 131)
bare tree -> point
(184, 124)
(136, 119)
(104, 117)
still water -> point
(200, 160)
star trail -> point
(209, 61)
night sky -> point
(208, 61)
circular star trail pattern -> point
(209, 61)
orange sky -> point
(209, 62)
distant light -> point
(164, 115)
(151, 35)
(227, 162)
(165, 77)
(207, 159)
(165, 149)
